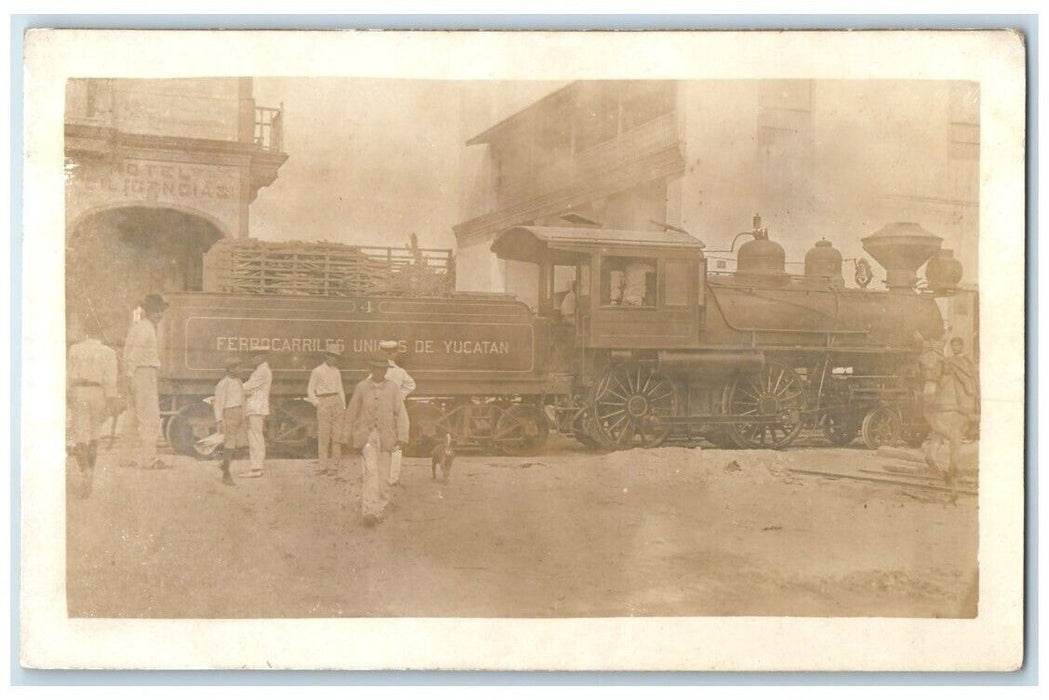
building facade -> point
(817, 159)
(156, 172)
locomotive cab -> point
(612, 289)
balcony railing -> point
(269, 128)
(648, 138)
(634, 144)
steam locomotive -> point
(654, 346)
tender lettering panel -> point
(296, 343)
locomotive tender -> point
(658, 347)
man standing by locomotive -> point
(376, 423)
(256, 408)
(142, 365)
(229, 415)
(326, 394)
(406, 384)
(91, 374)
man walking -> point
(91, 375)
(256, 408)
(142, 365)
(406, 384)
(376, 423)
(325, 392)
(229, 415)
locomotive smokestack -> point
(901, 248)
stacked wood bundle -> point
(247, 266)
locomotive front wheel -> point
(839, 431)
(193, 422)
(775, 394)
(629, 405)
(881, 426)
(521, 429)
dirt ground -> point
(667, 531)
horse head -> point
(933, 369)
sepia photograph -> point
(570, 346)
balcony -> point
(647, 152)
(269, 128)
(644, 140)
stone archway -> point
(116, 256)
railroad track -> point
(873, 476)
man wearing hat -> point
(142, 365)
(91, 373)
(376, 423)
(404, 381)
(229, 415)
(325, 392)
(256, 408)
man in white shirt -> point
(229, 415)
(91, 374)
(256, 408)
(142, 365)
(325, 392)
(568, 304)
(406, 384)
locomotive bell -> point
(901, 248)
(823, 264)
(943, 273)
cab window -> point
(628, 282)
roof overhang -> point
(536, 243)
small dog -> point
(443, 454)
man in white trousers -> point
(256, 408)
(326, 394)
(406, 384)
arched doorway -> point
(117, 256)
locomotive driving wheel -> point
(629, 404)
(775, 395)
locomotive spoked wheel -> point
(193, 422)
(839, 430)
(775, 394)
(294, 429)
(628, 405)
(520, 429)
(881, 426)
